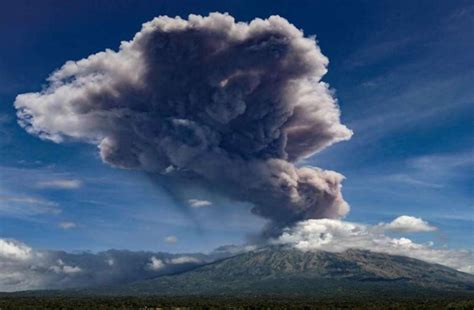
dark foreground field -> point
(268, 302)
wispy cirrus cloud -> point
(434, 170)
(406, 82)
(412, 180)
(171, 239)
(444, 165)
(198, 203)
(67, 225)
(59, 184)
(5, 133)
(418, 105)
(27, 205)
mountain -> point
(286, 271)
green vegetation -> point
(262, 302)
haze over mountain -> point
(282, 270)
(26, 268)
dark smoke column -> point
(228, 105)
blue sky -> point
(402, 72)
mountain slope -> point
(280, 270)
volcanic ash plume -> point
(227, 104)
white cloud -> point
(406, 223)
(67, 225)
(171, 239)
(161, 264)
(14, 250)
(184, 260)
(156, 263)
(61, 267)
(71, 269)
(59, 184)
(337, 236)
(197, 203)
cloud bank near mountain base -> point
(337, 236)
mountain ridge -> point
(284, 270)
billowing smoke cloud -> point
(228, 105)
